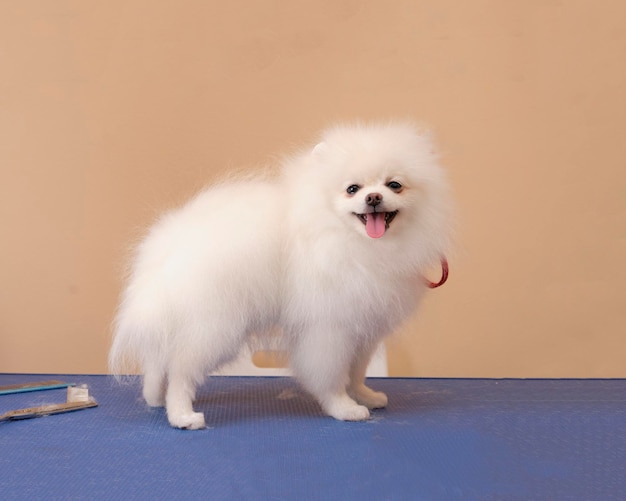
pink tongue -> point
(375, 224)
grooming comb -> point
(77, 398)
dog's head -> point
(384, 180)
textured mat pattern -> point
(438, 439)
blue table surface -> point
(267, 439)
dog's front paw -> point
(346, 409)
(369, 398)
(187, 421)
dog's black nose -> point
(373, 199)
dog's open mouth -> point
(376, 223)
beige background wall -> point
(112, 111)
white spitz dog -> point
(332, 250)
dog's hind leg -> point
(183, 380)
(154, 385)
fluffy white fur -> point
(291, 251)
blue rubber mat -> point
(438, 439)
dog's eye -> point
(394, 185)
(352, 189)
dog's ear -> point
(320, 150)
